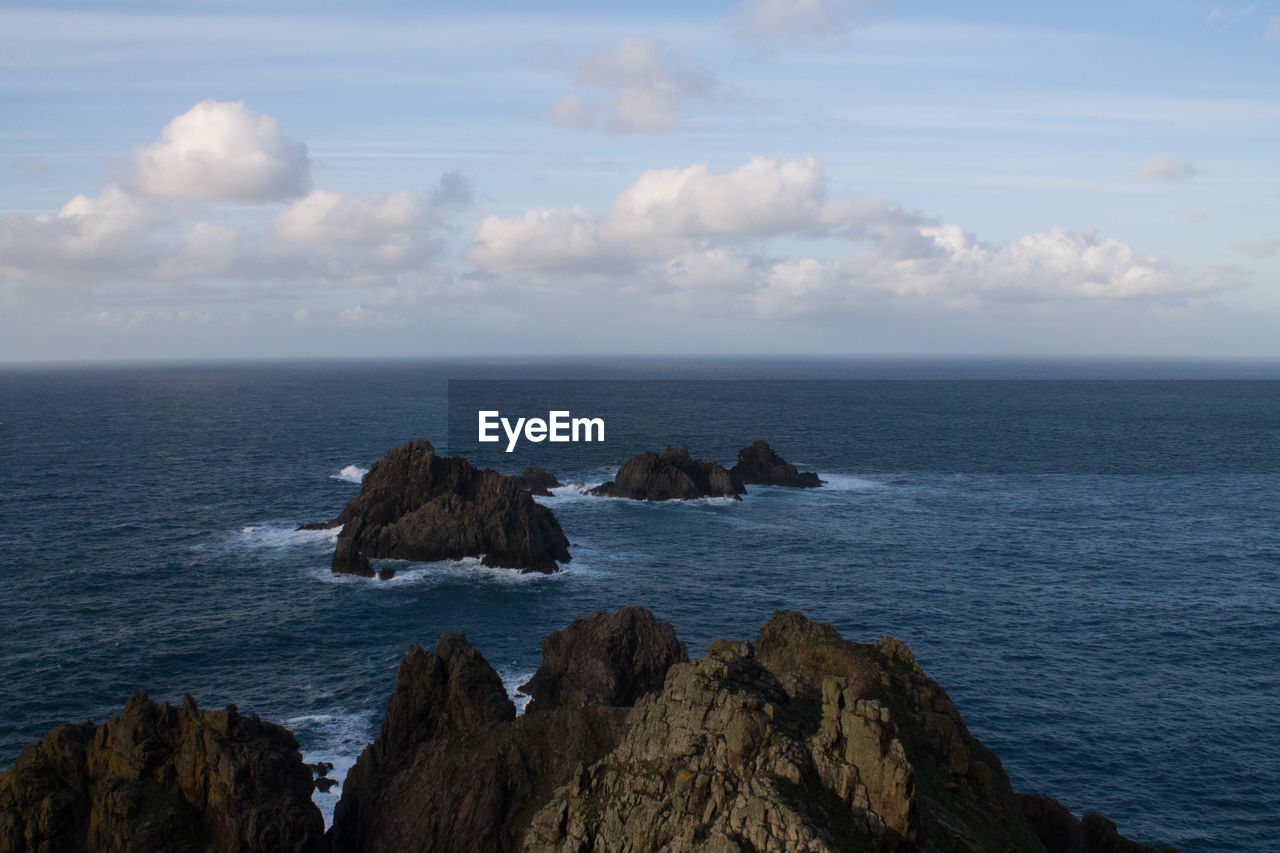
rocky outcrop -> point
(538, 482)
(454, 769)
(670, 475)
(613, 658)
(416, 505)
(1062, 832)
(758, 465)
(158, 777)
(801, 742)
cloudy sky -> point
(771, 176)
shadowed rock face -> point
(158, 777)
(455, 770)
(758, 465)
(1062, 832)
(804, 741)
(539, 482)
(671, 475)
(415, 505)
(613, 658)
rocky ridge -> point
(417, 505)
(159, 777)
(802, 741)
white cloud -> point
(645, 88)
(1166, 167)
(100, 236)
(664, 212)
(220, 151)
(129, 241)
(774, 19)
(696, 231)
(1272, 31)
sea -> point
(1085, 554)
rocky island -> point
(417, 505)
(670, 475)
(758, 465)
(798, 741)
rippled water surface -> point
(1113, 637)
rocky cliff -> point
(454, 769)
(416, 505)
(802, 741)
(758, 465)
(670, 475)
(159, 777)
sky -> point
(827, 177)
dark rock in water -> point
(538, 482)
(611, 658)
(671, 475)
(1062, 832)
(758, 465)
(158, 777)
(324, 784)
(350, 560)
(415, 505)
(321, 768)
(454, 769)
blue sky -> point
(181, 180)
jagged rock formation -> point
(158, 777)
(539, 482)
(455, 770)
(758, 465)
(803, 742)
(614, 658)
(1062, 832)
(671, 475)
(415, 505)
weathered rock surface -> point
(455, 770)
(613, 658)
(539, 482)
(158, 777)
(1062, 832)
(670, 475)
(416, 505)
(758, 465)
(803, 742)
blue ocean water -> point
(1111, 631)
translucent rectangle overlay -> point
(891, 426)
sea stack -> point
(670, 475)
(417, 505)
(758, 465)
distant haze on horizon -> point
(765, 177)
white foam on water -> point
(470, 569)
(512, 678)
(335, 738)
(282, 536)
(847, 483)
(350, 474)
(568, 492)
